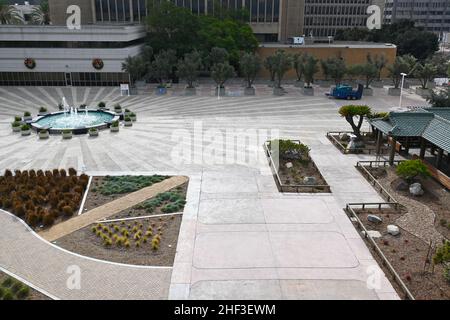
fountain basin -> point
(79, 122)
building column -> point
(423, 148)
(379, 140)
(392, 151)
(439, 158)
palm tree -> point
(9, 14)
(41, 13)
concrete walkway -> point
(240, 238)
(111, 208)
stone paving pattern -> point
(239, 238)
(111, 208)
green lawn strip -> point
(127, 184)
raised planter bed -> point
(283, 179)
(337, 138)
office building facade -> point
(432, 15)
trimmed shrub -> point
(23, 293)
(410, 169)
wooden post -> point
(423, 148)
(379, 140)
(439, 158)
(392, 151)
(407, 145)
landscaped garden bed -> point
(367, 144)
(105, 189)
(410, 256)
(12, 289)
(133, 236)
(42, 198)
(422, 219)
(293, 168)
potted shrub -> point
(82, 107)
(402, 64)
(161, 68)
(27, 116)
(43, 111)
(127, 112)
(117, 109)
(128, 122)
(93, 132)
(221, 72)
(67, 134)
(60, 106)
(114, 126)
(101, 105)
(44, 134)
(25, 129)
(425, 73)
(16, 126)
(299, 62)
(133, 116)
(18, 119)
(309, 69)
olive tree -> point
(310, 68)
(135, 67)
(218, 55)
(350, 112)
(425, 73)
(162, 66)
(370, 72)
(299, 60)
(269, 64)
(403, 64)
(188, 68)
(221, 72)
(282, 64)
(250, 64)
(336, 69)
(380, 63)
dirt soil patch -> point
(32, 294)
(408, 255)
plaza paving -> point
(240, 238)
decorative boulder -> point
(393, 230)
(374, 218)
(400, 185)
(416, 189)
(289, 165)
(310, 181)
(371, 233)
(292, 155)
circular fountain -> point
(79, 121)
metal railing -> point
(306, 188)
(395, 276)
(332, 137)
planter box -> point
(133, 118)
(118, 112)
(67, 135)
(127, 114)
(249, 91)
(128, 123)
(299, 84)
(190, 92)
(377, 84)
(93, 133)
(220, 92)
(161, 91)
(16, 129)
(26, 132)
(308, 91)
(424, 93)
(394, 92)
(278, 91)
(28, 118)
(44, 135)
(114, 129)
(41, 114)
(368, 92)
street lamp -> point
(401, 89)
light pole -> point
(401, 89)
